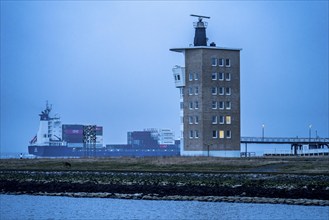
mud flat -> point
(299, 189)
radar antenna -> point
(200, 16)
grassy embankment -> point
(301, 165)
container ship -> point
(55, 139)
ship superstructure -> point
(50, 129)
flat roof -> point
(182, 49)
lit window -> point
(191, 77)
(191, 105)
(196, 90)
(221, 105)
(214, 61)
(190, 91)
(221, 91)
(221, 76)
(214, 134)
(214, 76)
(228, 91)
(196, 119)
(228, 76)
(228, 134)
(214, 105)
(228, 119)
(221, 119)
(228, 105)
(221, 62)
(191, 134)
(214, 119)
(221, 134)
(190, 120)
(196, 134)
(214, 90)
(196, 105)
(228, 62)
(196, 77)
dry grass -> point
(176, 164)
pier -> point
(316, 146)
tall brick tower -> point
(209, 86)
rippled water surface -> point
(52, 207)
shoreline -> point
(293, 189)
(141, 196)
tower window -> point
(191, 105)
(228, 76)
(214, 61)
(214, 119)
(214, 76)
(228, 119)
(196, 134)
(214, 134)
(214, 90)
(196, 105)
(221, 91)
(190, 120)
(196, 90)
(228, 91)
(221, 76)
(228, 134)
(190, 91)
(221, 119)
(214, 105)
(228, 62)
(221, 105)
(221, 62)
(228, 105)
(196, 120)
(191, 134)
(181, 105)
(191, 76)
(221, 134)
(196, 76)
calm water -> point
(51, 207)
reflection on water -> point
(50, 207)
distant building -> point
(209, 85)
(149, 142)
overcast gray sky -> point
(108, 63)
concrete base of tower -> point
(227, 153)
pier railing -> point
(284, 140)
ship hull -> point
(64, 151)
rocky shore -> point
(295, 189)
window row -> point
(194, 134)
(221, 76)
(193, 119)
(193, 76)
(221, 105)
(221, 119)
(221, 134)
(221, 90)
(194, 105)
(193, 90)
(220, 62)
